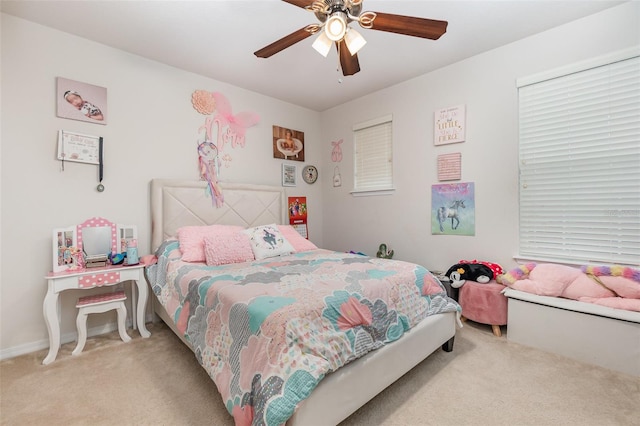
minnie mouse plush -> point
(481, 272)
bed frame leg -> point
(448, 345)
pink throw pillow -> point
(224, 249)
(191, 239)
(298, 242)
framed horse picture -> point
(453, 209)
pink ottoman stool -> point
(484, 303)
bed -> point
(387, 337)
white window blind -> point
(580, 166)
(373, 144)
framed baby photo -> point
(81, 101)
(288, 144)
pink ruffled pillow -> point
(191, 239)
(224, 249)
(298, 242)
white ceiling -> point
(217, 39)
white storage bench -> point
(584, 331)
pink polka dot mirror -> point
(97, 236)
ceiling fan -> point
(335, 16)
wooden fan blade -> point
(409, 25)
(299, 3)
(283, 43)
(349, 64)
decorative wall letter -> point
(336, 152)
(230, 129)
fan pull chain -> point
(339, 67)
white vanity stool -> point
(98, 304)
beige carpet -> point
(157, 381)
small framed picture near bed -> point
(289, 172)
(81, 101)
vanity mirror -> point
(90, 243)
(97, 238)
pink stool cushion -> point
(483, 303)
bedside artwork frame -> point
(289, 173)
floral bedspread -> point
(268, 331)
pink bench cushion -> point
(101, 298)
(484, 303)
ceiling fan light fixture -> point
(322, 44)
(334, 20)
(354, 41)
(336, 26)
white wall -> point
(151, 132)
(486, 84)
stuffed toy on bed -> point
(481, 272)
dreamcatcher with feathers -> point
(231, 128)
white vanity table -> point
(90, 278)
(69, 272)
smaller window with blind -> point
(373, 157)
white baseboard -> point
(39, 345)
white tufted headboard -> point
(176, 203)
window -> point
(373, 166)
(580, 163)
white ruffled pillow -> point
(268, 241)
